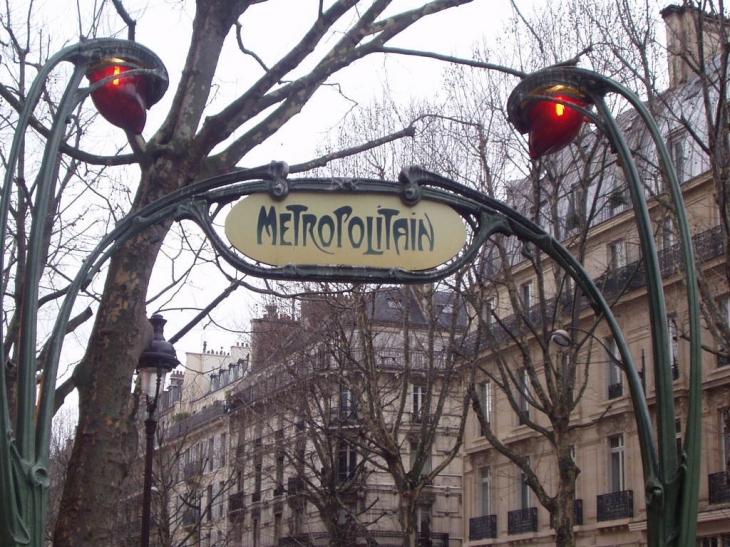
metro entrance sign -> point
(371, 230)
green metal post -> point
(672, 488)
(24, 454)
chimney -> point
(689, 33)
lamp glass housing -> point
(148, 380)
(123, 100)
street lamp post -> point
(551, 105)
(156, 361)
(126, 79)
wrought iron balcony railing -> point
(615, 390)
(235, 502)
(616, 505)
(719, 487)
(520, 521)
(577, 514)
(483, 527)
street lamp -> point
(550, 106)
(156, 361)
(126, 79)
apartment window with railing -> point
(616, 255)
(348, 403)
(524, 494)
(347, 461)
(484, 501)
(426, 469)
(616, 463)
(614, 375)
(419, 402)
(526, 296)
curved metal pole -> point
(23, 460)
(672, 512)
(15, 458)
(688, 485)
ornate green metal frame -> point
(24, 458)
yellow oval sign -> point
(375, 230)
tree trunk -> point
(408, 520)
(105, 442)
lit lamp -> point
(552, 123)
(156, 361)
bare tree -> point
(192, 143)
(365, 391)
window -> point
(488, 307)
(347, 461)
(615, 384)
(279, 487)
(426, 469)
(348, 404)
(257, 469)
(725, 432)
(419, 402)
(617, 200)
(616, 471)
(715, 541)
(423, 520)
(616, 255)
(277, 527)
(524, 495)
(523, 401)
(211, 452)
(723, 359)
(218, 456)
(256, 532)
(677, 154)
(674, 341)
(668, 235)
(575, 207)
(485, 398)
(209, 502)
(526, 295)
(484, 492)
(220, 501)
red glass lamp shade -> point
(121, 101)
(553, 125)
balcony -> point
(235, 502)
(719, 487)
(615, 390)
(191, 516)
(294, 485)
(577, 514)
(433, 540)
(520, 521)
(616, 505)
(483, 527)
(192, 469)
